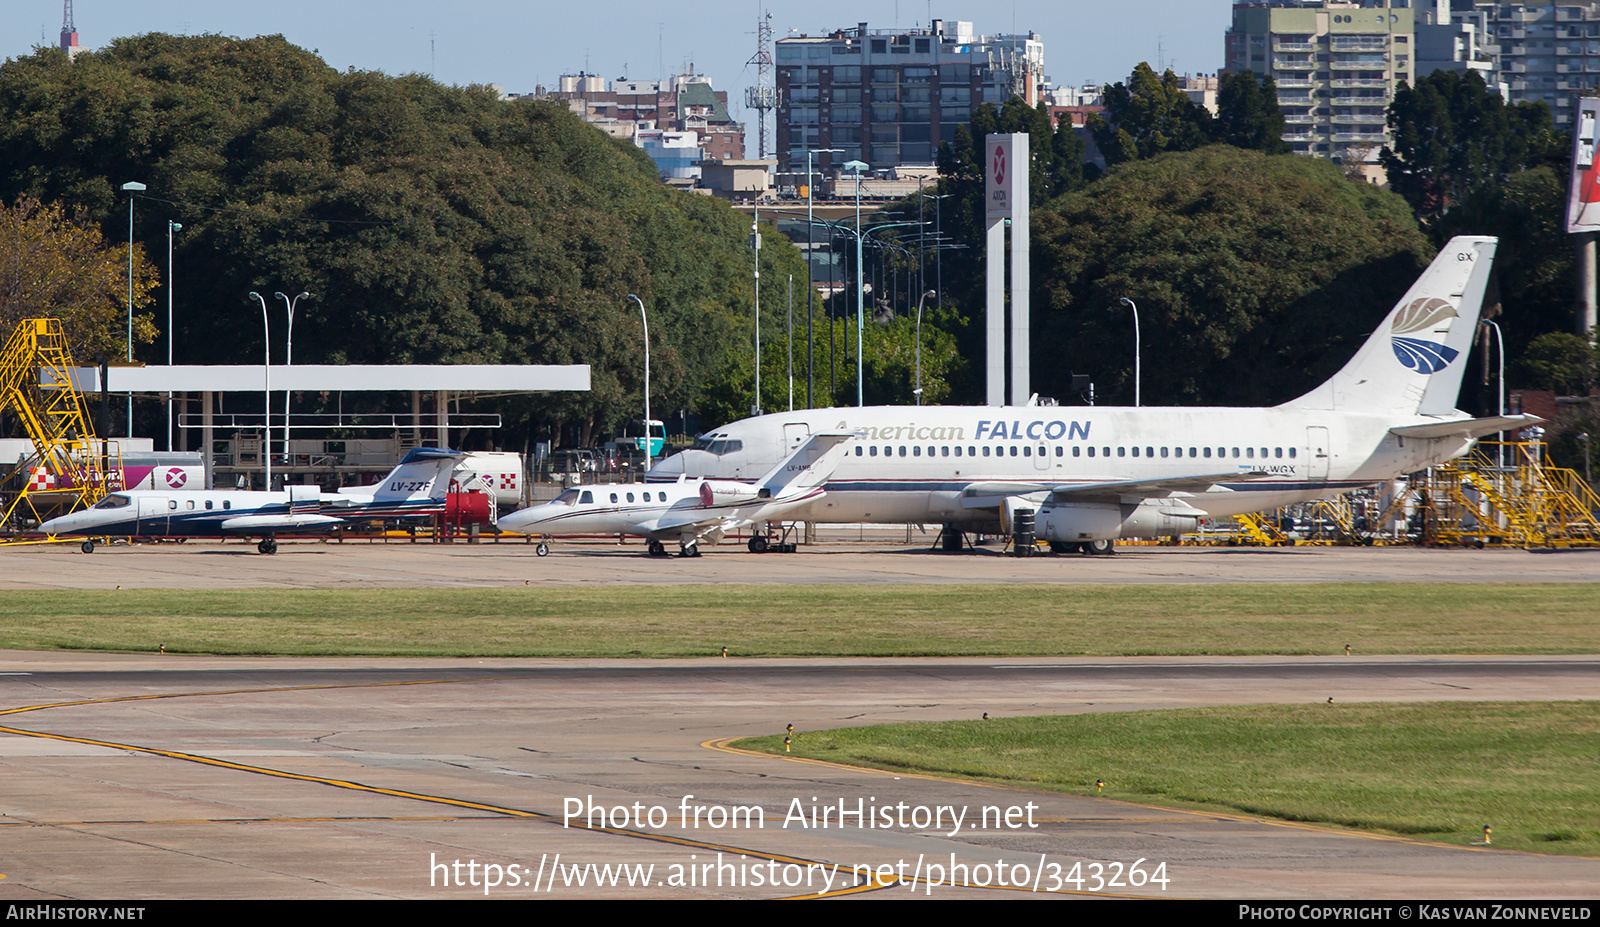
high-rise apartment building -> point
(1336, 65)
(890, 97)
(1547, 52)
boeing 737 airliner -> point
(1096, 474)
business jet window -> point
(172, 503)
(189, 505)
(630, 497)
(113, 502)
(208, 505)
(586, 498)
(613, 497)
(227, 503)
(570, 497)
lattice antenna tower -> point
(763, 97)
(69, 29)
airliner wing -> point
(988, 495)
(1467, 427)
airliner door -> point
(1318, 452)
(794, 435)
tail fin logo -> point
(1421, 355)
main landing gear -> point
(689, 549)
(543, 549)
(268, 545)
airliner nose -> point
(667, 470)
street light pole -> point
(755, 251)
(288, 358)
(648, 438)
(856, 167)
(1136, 373)
(171, 227)
(811, 289)
(918, 391)
(132, 187)
(266, 390)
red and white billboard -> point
(1583, 198)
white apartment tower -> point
(1336, 65)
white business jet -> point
(686, 511)
(1096, 474)
(415, 488)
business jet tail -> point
(807, 468)
(1413, 363)
(423, 474)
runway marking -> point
(326, 819)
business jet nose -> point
(62, 525)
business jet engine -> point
(731, 492)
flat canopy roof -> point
(333, 378)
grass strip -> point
(1438, 771)
(823, 620)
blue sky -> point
(520, 44)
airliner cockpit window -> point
(113, 502)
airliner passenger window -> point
(858, 450)
(1122, 452)
(1249, 452)
(945, 451)
(1163, 452)
(930, 450)
(1263, 453)
(1151, 452)
(958, 450)
(1077, 451)
(902, 450)
(1105, 452)
(1136, 452)
(1208, 452)
(1027, 451)
(1291, 453)
(1277, 452)
(1013, 450)
(874, 450)
(916, 450)
(1236, 453)
(1060, 451)
(1091, 451)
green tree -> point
(1256, 277)
(1559, 361)
(52, 266)
(1147, 116)
(1453, 137)
(432, 224)
(1248, 115)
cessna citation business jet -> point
(416, 487)
(1095, 474)
(687, 511)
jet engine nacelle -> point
(1104, 521)
(725, 492)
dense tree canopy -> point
(1256, 277)
(52, 266)
(431, 224)
(1148, 115)
(1247, 113)
(1453, 137)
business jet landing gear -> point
(657, 549)
(689, 549)
(268, 546)
(87, 547)
(543, 550)
(758, 544)
(1100, 548)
